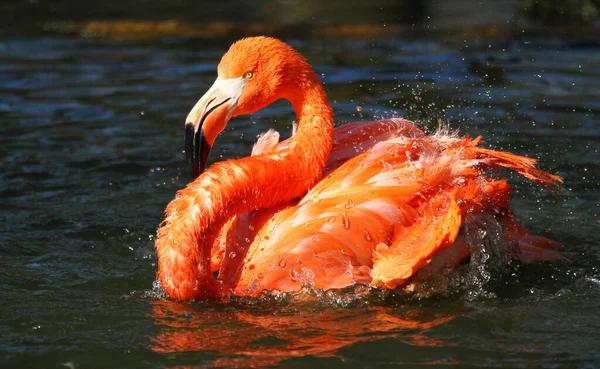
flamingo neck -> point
(311, 144)
(232, 187)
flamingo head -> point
(255, 72)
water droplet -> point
(314, 239)
(282, 262)
(345, 221)
(294, 275)
(232, 254)
(366, 235)
(359, 108)
(331, 219)
(349, 204)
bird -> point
(376, 203)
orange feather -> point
(367, 203)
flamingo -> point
(376, 203)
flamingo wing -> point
(379, 218)
(350, 140)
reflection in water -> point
(266, 336)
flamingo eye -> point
(248, 75)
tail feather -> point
(521, 164)
(530, 248)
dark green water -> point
(91, 139)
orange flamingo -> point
(376, 203)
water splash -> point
(490, 253)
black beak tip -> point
(192, 149)
(196, 149)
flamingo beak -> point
(208, 118)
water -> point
(91, 141)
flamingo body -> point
(377, 203)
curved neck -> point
(233, 187)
